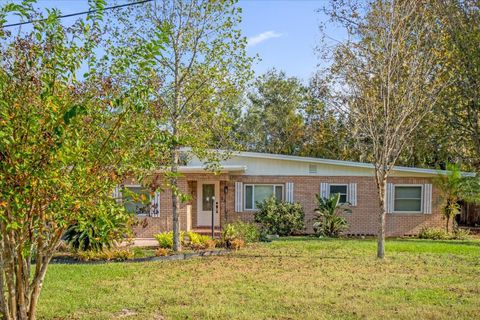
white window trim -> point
(137, 186)
(337, 185)
(253, 193)
(408, 185)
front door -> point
(205, 192)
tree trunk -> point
(3, 302)
(175, 200)
(381, 185)
(448, 222)
(37, 286)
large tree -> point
(460, 107)
(327, 131)
(273, 122)
(202, 69)
(450, 133)
(389, 76)
(61, 150)
(285, 116)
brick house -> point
(248, 177)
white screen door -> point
(205, 192)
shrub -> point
(328, 221)
(165, 239)
(199, 241)
(100, 230)
(231, 238)
(433, 234)
(237, 244)
(248, 232)
(461, 234)
(280, 218)
(441, 234)
(105, 255)
(162, 252)
(228, 235)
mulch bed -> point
(179, 256)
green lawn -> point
(296, 278)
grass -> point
(294, 278)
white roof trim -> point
(341, 163)
(201, 169)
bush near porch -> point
(292, 278)
(280, 218)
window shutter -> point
(155, 205)
(427, 198)
(117, 194)
(238, 196)
(352, 194)
(289, 192)
(324, 190)
(389, 198)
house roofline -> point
(345, 163)
(342, 163)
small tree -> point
(454, 186)
(201, 71)
(61, 147)
(389, 77)
(328, 220)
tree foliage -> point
(201, 71)
(389, 77)
(460, 103)
(62, 145)
(454, 187)
(284, 116)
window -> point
(255, 193)
(408, 199)
(137, 200)
(208, 192)
(341, 189)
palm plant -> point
(454, 187)
(328, 219)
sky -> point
(283, 33)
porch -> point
(210, 202)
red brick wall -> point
(364, 217)
(362, 221)
(147, 227)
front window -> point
(255, 193)
(340, 189)
(137, 200)
(408, 199)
